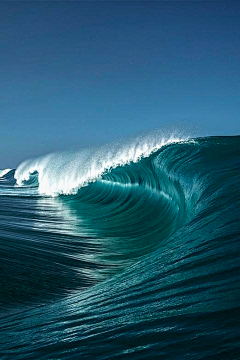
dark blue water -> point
(132, 252)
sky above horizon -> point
(80, 74)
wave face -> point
(127, 251)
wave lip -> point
(64, 173)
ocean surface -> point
(127, 251)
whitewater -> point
(126, 251)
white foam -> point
(4, 172)
(65, 173)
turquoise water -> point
(129, 251)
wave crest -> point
(66, 172)
(4, 172)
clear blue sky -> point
(77, 74)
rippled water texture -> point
(128, 251)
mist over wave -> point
(131, 250)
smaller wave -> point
(65, 173)
(4, 172)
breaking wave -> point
(127, 251)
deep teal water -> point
(141, 263)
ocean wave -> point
(139, 261)
(4, 172)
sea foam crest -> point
(4, 172)
(66, 172)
